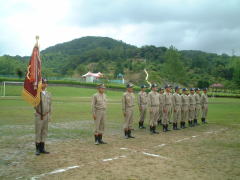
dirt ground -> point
(194, 153)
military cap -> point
(197, 89)
(101, 86)
(44, 80)
(192, 89)
(129, 85)
(143, 86)
(177, 87)
(168, 86)
(184, 89)
(205, 89)
(154, 85)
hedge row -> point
(68, 82)
(111, 86)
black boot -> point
(100, 139)
(203, 120)
(154, 130)
(129, 134)
(164, 128)
(96, 139)
(42, 148)
(151, 129)
(195, 122)
(167, 128)
(126, 134)
(184, 125)
(174, 126)
(37, 149)
(143, 127)
(191, 123)
(140, 125)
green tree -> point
(173, 67)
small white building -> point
(91, 77)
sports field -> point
(210, 151)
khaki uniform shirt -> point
(192, 99)
(177, 100)
(44, 106)
(142, 98)
(185, 100)
(99, 102)
(204, 99)
(197, 98)
(153, 99)
(127, 101)
(167, 99)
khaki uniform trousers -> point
(204, 110)
(177, 115)
(128, 118)
(100, 121)
(160, 112)
(197, 112)
(41, 127)
(154, 114)
(167, 114)
(192, 112)
(185, 112)
(143, 112)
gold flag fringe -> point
(34, 101)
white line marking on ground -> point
(161, 145)
(180, 140)
(110, 159)
(154, 155)
(54, 172)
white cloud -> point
(187, 24)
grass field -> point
(209, 151)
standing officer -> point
(177, 101)
(142, 104)
(198, 105)
(161, 91)
(185, 107)
(42, 116)
(167, 105)
(204, 103)
(192, 107)
(128, 109)
(99, 112)
(153, 103)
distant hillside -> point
(165, 65)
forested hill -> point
(112, 57)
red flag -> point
(33, 79)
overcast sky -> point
(207, 25)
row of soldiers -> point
(161, 105)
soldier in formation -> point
(99, 113)
(42, 117)
(204, 104)
(192, 107)
(177, 104)
(128, 109)
(153, 103)
(167, 105)
(142, 105)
